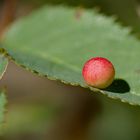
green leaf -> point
(3, 64)
(56, 42)
(3, 102)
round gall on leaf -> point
(98, 72)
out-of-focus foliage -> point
(113, 121)
(116, 121)
(37, 118)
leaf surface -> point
(3, 102)
(3, 64)
(57, 41)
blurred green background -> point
(40, 109)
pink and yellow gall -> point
(98, 72)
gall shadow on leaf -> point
(119, 86)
